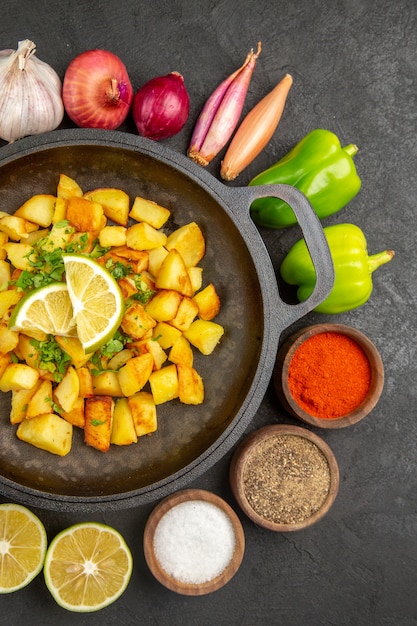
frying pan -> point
(189, 439)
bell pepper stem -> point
(376, 260)
(351, 149)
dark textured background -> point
(354, 64)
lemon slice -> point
(48, 309)
(23, 546)
(87, 567)
(96, 299)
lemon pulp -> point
(96, 298)
(23, 546)
(48, 309)
(87, 567)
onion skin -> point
(96, 90)
(161, 107)
(220, 114)
(256, 130)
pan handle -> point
(314, 237)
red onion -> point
(97, 91)
(161, 107)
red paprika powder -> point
(329, 375)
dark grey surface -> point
(355, 68)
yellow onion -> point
(30, 94)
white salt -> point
(194, 541)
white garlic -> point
(30, 94)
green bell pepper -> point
(352, 267)
(320, 168)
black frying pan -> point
(189, 439)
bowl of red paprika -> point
(329, 375)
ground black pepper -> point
(286, 479)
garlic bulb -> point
(30, 94)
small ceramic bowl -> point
(285, 478)
(281, 373)
(193, 542)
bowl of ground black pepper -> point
(285, 478)
(329, 375)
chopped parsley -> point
(144, 292)
(118, 269)
(51, 357)
(112, 347)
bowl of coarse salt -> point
(193, 542)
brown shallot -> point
(220, 115)
(256, 130)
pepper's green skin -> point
(352, 267)
(320, 168)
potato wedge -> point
(186, 314)
(20, 402)
(190, 385)
(107, 384)
(208, 302)
(165, 334)
(39, 209)
(156, 256)
(115, 203)
(173, 275)
(8, 299)
(5, 269)
(181, 352)
(15, 227)
(164, 305)
(85, 215)
(204, 335)
(164, 384)
(72, 346)
(5, 359)
(142, 236)
(196, 277)
(98, 422)
(20, 255)
(188, 240)
(136, 321)
(153, 348)
(41, 401)
(60, 210)
(144, 210)
(85, 380)
(67, 391)
(143, 411)
(112, 236)
(9, 339)
(76, 416)
(123, 429)
(135, 374)
(68, 187)
(48, 432)
(18, 376)
(58, 237)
